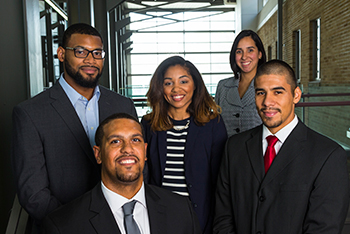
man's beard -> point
(268, 120)
(79, 79)
(128, 178)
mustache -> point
(270, 109)
(127, 156)
(89, 67)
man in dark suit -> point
(53, 133)
(121, 151)
(304, 190)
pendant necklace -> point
(183, 127)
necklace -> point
(182, 128)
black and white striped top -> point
(174, 175)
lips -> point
(246, 63)
(269, 112)
(127, 160)
(177, 98)
(89, 70)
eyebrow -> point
(121, 136)
(87, 48)
(275, 88)
(280, 87)
(239, 48)
(184, 76)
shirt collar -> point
(283, 133)
(116, 201)
(72, 94)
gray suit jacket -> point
(168, 213)
(238, 114)
(306, 189)
(52, 158)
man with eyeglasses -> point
(53, 133)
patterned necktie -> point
(129, 221)
(270, 152)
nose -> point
(175, 87)
(126, 147)
(244, 55)
(268, 100)
(89, 58)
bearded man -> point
(53, 132)
(122, 203)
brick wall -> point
(335, 58)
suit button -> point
(237, 115)
(262, 198)
(195, 205)
(259, 233)
(190, 185)
(237, 130)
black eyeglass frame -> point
(103, 52)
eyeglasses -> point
(80, 52)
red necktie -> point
(270, 151)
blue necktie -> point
(129, 221)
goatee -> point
(89, 82)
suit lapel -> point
(156, 211)
(104, 106)
(232, 95)
(254, 148)
(291, 148)
(190, 140)
(162, 144)
(104, 221)
(64, 108)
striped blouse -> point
(174, 175)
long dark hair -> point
(246, 33)
(202, 107)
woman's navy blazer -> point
(203, 152)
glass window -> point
(297, 57)
(316, 49)
(203, 37)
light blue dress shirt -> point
(87, 110)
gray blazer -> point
(52, 159)
(238, 114)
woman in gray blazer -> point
(236, 95)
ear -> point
(297, 95)
(146, 151)
(97, 153)
(61, 53)
(260, 54)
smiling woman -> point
(185, 136)
(235, 95)
(178, 91)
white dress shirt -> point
(281, 135)
(116, 201)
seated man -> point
(122, 203)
